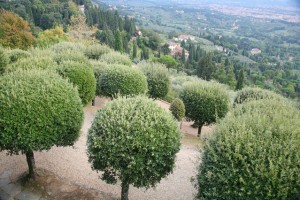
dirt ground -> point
(65, 173)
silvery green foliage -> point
(254, 154)
(68, 46)
(42, 63)
(71, 56)
(16, 54)
(124, 81)
(205, 101)
(250, 94)
(133, 140)
(157, 78)
(3, 60)
(38, 109)
(96, 51)
(114, 57)
(82, 76)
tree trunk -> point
(199, 130)
(31, 164)
(93, 101)
(125, 190)
(180, 124)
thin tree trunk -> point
(125, 190)
(93, 102)
(180, 124)
(199, 130)
(31, 164)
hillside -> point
(263, 40)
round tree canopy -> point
(122, 80)
(134, 140)
(250, 94)
(82, 76)
(38, 109)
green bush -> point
(82, 77)
(71, 56)
(33, 63)
(177, 109)
(254, 154)
(116, 58)
(17, 54)
(3, 60)
(157, 77)
(204, 102)
(133, 140)
(68, 46)
(99, 69)
(250, 94)
(37, 52)
(38, 110)
(125, 81)
(96, 51)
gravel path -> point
(71, 164)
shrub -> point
(250, 94)
(72, 56)
(37, 52)
(254, 154)
(116, 58)
(99, 69)
(82, 77)
(123, 81)
(134, 140)
(204, 102)
(17, 54)
(33, 63)
(3, 61)
(38, 110)
(96, 51)
(68, 46)
(157, 78)
(177, 109)
(51, 36)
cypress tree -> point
(134, 52)
(240, 81)
(230, 79)
(118, 42)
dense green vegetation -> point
(253, 154)
(205, 102)
(133, 140)
(275, 68)
(38, 109)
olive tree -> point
(96, 51)
(254, 154)
(28, 63)
(124, 81)
(133, 140)
(38, 109)
(16, 54)
(157, 78)
(82, 76)
(115, 57)
(3, 61)
(204, 102)
(250, 94)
